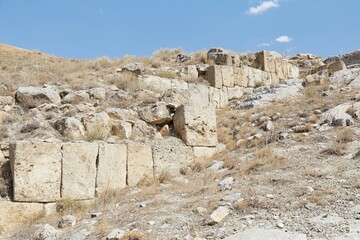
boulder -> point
(135, 68)
(70, 127)
(196, 125)
(36, 171)
(31, 97)
(337, 116)
(344, 77)
(142, 131)
(67, 221)
(180, 58)
(355, 83)
(97, 125)
(170, 155)
(218, 215)
(128, 115)
(157, 84)
(336, 66)
(235, 92)
(139, 163)
(175, 97)
(266, 234)
(6, 100)
(111, 168)
(76, 97)
(97, 93)
(222, 57)
(157, 114)
(121, 129)
(79, 170)
(46, 232)
(192, 72)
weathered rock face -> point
(196, 125)
(275, 63)
(36, 171)
(70, 127)
(170, 155)
(135, 68)
(349, 58)
(222, 57)
(155, 114)
(202, 153)
(175, 97)
(344, 77)
(79, 170)
(336, 66)
(121, 129)
(30, 97)
(76, 97)
(199, 94)
(139, 163)
(111, 169)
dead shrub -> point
(166, 74)
(129, 82)
(70, 206)
(134, 235)
(164, 177)
(336, 149)
(264, 157)
(303, 129)
(345, 136)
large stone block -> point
(36, 171)
(111, 171)
(13, 214)
(199, 94)
(79, 170)
(235, 92)
(196, 125)
(214, 76)
(139, 163)
(170, 155)
(241, 76)
(227, 73)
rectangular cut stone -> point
(196, 125)
(192, 71)
(203, 153)
(170, 155)
(214, 76)
(79, 170)
(214, 97)
(111, 171)
(36, 171)
(139, 163)
(224, 100)
(227, 73)
(241, 78)
(199, 94)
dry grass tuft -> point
(264, 157)
(303, 129)
(96, 132)
(134, 235)
(345, 136)
(164, 177)
(69, 206)
(336, 149)
(166, 74)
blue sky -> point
(114, 28)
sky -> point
(86, 29)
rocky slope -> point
(290, 169)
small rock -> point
(279, 224)
(225, 184)
(270, 196)
(201, 210)
(151, 222)
(115, 234)
(95, 214)
(218, 215)
(234, 197)
(216, 166)
(67, 221)
(46, 232)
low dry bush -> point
(166, 74)
(70, 206)
(338, 149)
(264, 158)
(345, 136)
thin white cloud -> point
(265, 44)
(283, 39)
(263, 7)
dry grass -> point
(96, 132)
(166, 74)
(313, 91)
(335, 149)
(134, 235)
(345, 135)
(70, 206)
(264, 158)
(303, 129)
(164, 177)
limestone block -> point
(214, 76)
(241, 76)
(196, 125)
(227, 73)
(235, 92)
(179, 84)
(192, 71)
(139, 163)
(34, 96)
(214, 97)
(199, 94)
(224, 100)
(157, 84)
(36, 171)
(170, 155)
(111, 172)
(202, 153)
(13, 214)
(79, 170)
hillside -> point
(212, 145)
